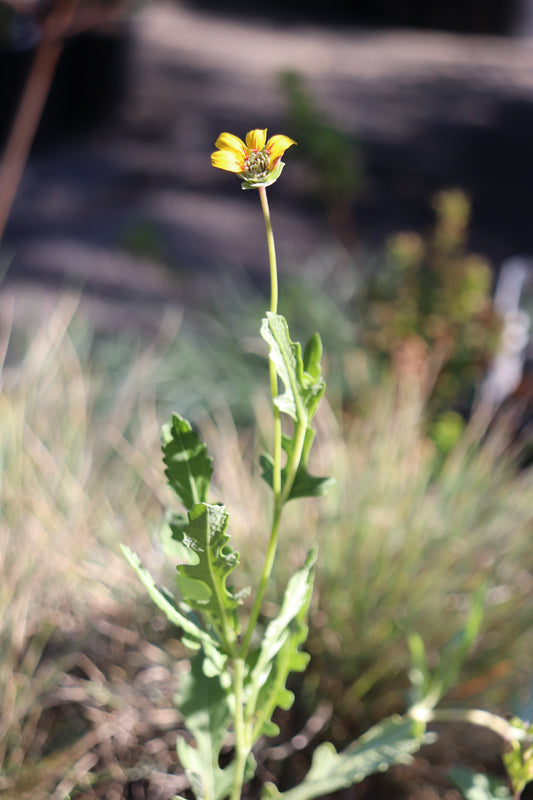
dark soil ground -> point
(114, 715)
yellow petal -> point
(227, 141)
(255, 140)
(224, 159)
(277, 145)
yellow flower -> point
(257, 161)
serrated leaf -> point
(302, 390)
(313, 356)
(304, 484)
(203, 584)
(296, 599)
(204, 705)
(189, 467)
(284, 355)
(273, 693)
(392, 741)
(280, 653)
(201, 781)
(194, 634)
(477, 786)
(198, 778)
(170, 536)
(518, 756)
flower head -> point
(256, 161)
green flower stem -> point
(271, 251)
(276, 478)
(226, 631)
(245, 732)
(242, 743)
(474, 716)
(267, 569)
(266, 711)
(276, 474)
(294, 462)
(243, 726)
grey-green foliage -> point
(194, 634)
(203, 701)
(392, 741)
(518, 758)
(304, 385)
(188, 466)
(279, 653)
(477, 786)
(303, 389)
(234, 686)
(206, 607)
(203, 583)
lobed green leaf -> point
(203, 583)
(477, 786)
(170, 536)
(194, 633)
(392, 741)
(304, 484)
(303, 389)
(518, 756)
(280, 652)
(204, 705)
(188, 466)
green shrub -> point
(428, 309)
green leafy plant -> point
(242, 656)
(477, 786)
(239, 670)
(518, 759)
(430, 686)
(428, 311)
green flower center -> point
(256, 165)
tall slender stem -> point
(276, 478)
(276, 474)
(474, 716)
(242, 746)
(271, 251)
(243, 728)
